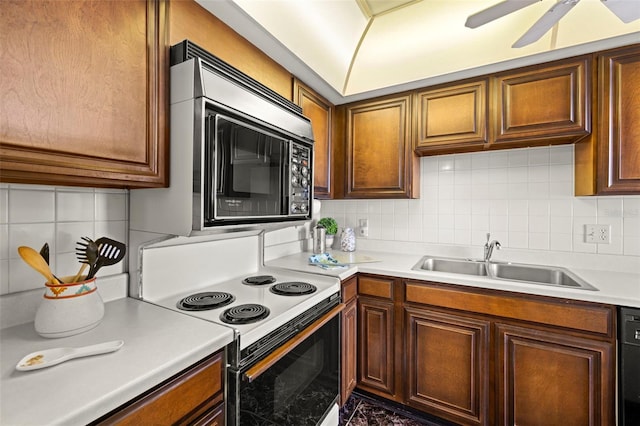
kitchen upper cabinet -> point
(380, 162)
(349, 351)
(609, 161)
(546, 377)
(193, 397)
(543, 104)
(448, 364)
(320, 112)
(452, 118)
(84, 93)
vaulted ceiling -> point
(354, 49)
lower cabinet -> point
(486, 357)
(448, 365)
(349, 344)
(375, 338)
(380, 336)
(550, 378)
(192, 397)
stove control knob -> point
(294, 168)
(294, 208)
(305, 171)
(303, 208)
(304, 182)
(294, 180)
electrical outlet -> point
(363, 228)
(598, 234)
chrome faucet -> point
(489, 246)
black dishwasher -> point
(629, 367)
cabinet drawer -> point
(376, 286)
(349, 289)
(184, 399)
(581, 316)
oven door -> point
(297, 384)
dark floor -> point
(362, 410)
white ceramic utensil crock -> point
(68, 309)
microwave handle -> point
(262, 366)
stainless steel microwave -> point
(241, 155)
(252, 173)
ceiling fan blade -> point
(497, 11)
(626, 10)
(544, 24)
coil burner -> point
(293, 288)
(259, 280)
(205, 301)
(244, 314)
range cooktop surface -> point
(274, 296)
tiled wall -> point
(523, 197)
(32, 215)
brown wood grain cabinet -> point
(452, 118)
(380, 162)
(547, 377)
(544, 104)
(84, 93)
(379, 369)
(349, 347)
(320, 112)
(448, 364)
(608, 163)
(485, 357)
(194, 396)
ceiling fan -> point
(626, 10)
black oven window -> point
(250, 166)
(299, 388)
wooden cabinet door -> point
(380, 158)
(84, 93)
(376, 367)
(619, 122)
(543, 105)
(448, 365)
(349, 350)
(452, 118)
(553, 379)
(320, 112)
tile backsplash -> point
(523, 197)
(32, 215)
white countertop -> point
(616, 288)
(158, 343)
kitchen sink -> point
(548, 275)
(454, 266)
(535, 274)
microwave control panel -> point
(300, 179)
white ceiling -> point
(354, 49)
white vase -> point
(348, 240)
(329, 241)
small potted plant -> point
(331, 228)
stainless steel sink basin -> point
(455, 266)
(535, 274)
(548, 275)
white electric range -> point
(283, 367)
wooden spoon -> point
(33, 259)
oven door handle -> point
(262, 366)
